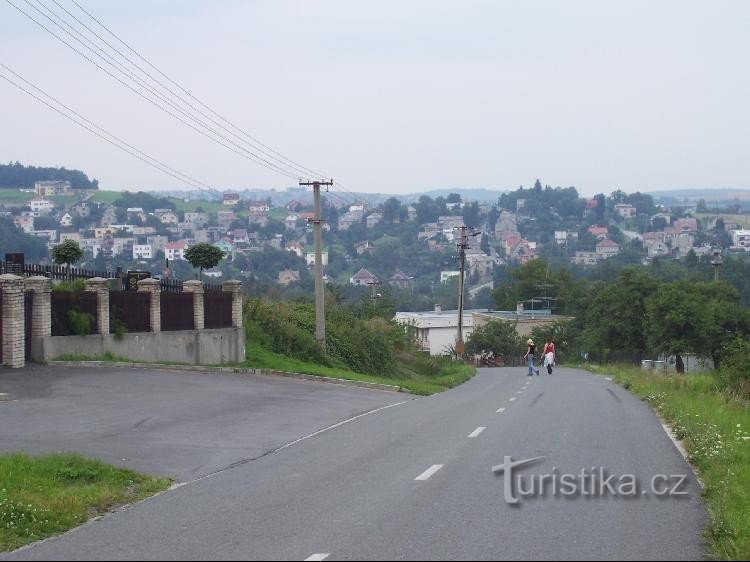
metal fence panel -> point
(63, 302)
(129, 310)
(177, 312)
(217, 310)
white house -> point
(741, 239)
(143, 252)
(446, 275)
(436, 331)
(175, 251)
(41, 205)
(310, 258)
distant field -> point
(14, 196)
(742, 220)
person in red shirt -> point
(549, 355)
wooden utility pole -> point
(320, 305)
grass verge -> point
(45, 496)
(423, 385)
(715, 427)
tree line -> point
(16, 175)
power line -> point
(297, 168)
(94, 129)
(180, 87)
(249, 156)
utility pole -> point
(717, 263)
(320, 305)
(463, 245)
(373, 291)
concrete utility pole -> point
(320, 310)
(717, 263)
(463, 245)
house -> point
(524, 252)
(226, 246)
(296, 248)
(446, 276)
(310, 258)
(411, 211)
(230, 198)
(288, 276)
(689, 225)
(175, 250)
(49, 235)
(363, 278)
(66, 220)
(295, 206)
(586, 258)
(81, 209)
(626, 210)
(169, 218)
(291, 222)
(450, 222)
(143, 252)
(196, 219)
(74, 236)
(25, 223)
(258, 207)
(741, 239)
(657, 248)
(429, 230)
(599, 231)
(607, 248)
(52, 188)
(43, 206)
(399, 280)
(436, 331)
(240, 236)
(363, 247)
(226, 218)
(347, 220)
(663, 216)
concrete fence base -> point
(197, 347)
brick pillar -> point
(235, 288)
(41, 313)
(100, 287)
(153, 286)
(14, 338)
(196, 287)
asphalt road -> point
(415, 482)
(183, 425)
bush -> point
(77, 286)
(735, 368)
(80, 322)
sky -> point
(401, 96)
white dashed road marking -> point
(500, 411)
(317, 558)
(477, 432)
(427, 474)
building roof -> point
(364, 275)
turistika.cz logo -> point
(589, 482)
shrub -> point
(80, 322)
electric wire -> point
(104, 134)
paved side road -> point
(415, 482)
(168, 423)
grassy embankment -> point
(45, 496)
(360, 347)
(714, 425)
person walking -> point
(530, 353)
(549, 355)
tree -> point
(497, 336)
(204, 256)
(68, 252)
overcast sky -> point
(404, 96)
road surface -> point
(415, 481)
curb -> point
(232, 370)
